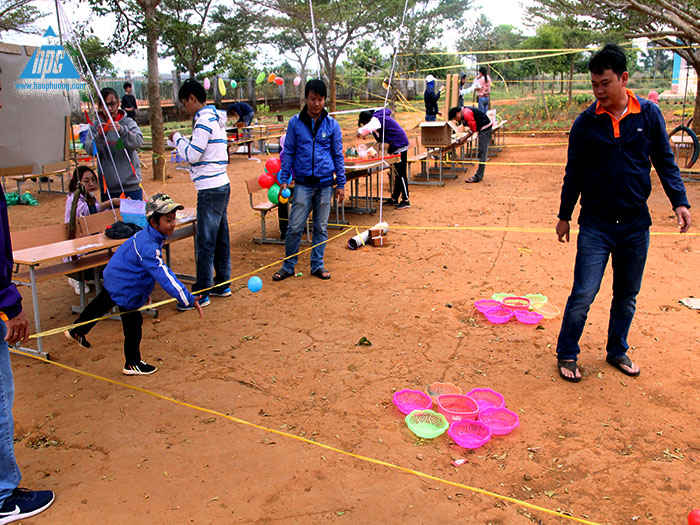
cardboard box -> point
(435, 134)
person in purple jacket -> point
(612, 146)
(15, 503)
(385, 129)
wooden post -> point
(451, 93)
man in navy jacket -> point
(313, 151)
(612, 146)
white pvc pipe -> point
(362, 238)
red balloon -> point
(279, 81)
(266, 180)
(273, 165)
(694, 517)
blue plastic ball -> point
(255, 284)
(285, 193)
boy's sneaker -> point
(23, 503)
(403, 205)
(80, 339)
(139, 369)
(226, 292)
(391, 202)
(204, 302)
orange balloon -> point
(271, 78)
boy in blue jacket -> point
(313, 150)
(129, 279)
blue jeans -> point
(213, 244)
(10, 475)
(483, 152)
(484, 103)
(430, 118)
(304, 201)
(596, 243)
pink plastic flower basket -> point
(469, 434)
(408, 400)
(498, 315)
(456, 407)
(486, 304)
(486, 398)
(500, 420)
(516, 303)
(526, 317)
(437, 389)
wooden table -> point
(355, 171)
(46, 262)
(437, 155)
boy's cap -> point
(430, 78)
(161, 203)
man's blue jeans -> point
(596, 243)
(304, 201)
(9, 471)
(213, 244)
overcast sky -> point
(498, 12)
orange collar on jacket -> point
(633, 106)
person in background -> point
(475, 120)
(653, 97)
(15, 503)
(431, 99)
(129, 101)
(313, 151)
(384, 128)
(463, 89)
(118, 166)
(242, 111)
(612, 146)
(483, 92)
(81, 202)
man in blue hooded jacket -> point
(313, 151)
(431, 99)
(612, 146)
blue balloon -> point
(255, 284)
(286, 193)
(279, 178)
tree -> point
(96, 54)
(337, 23)
(138, 20)
(185, 34)
(482, 36)
(673, 24)
(290, 42)
(19, 15)
(658, 62)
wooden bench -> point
(414, 155)
(22, 174)
(263, 208)
(274, 132)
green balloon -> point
(234, 84)
(309, 78)
(273, 193)
(261, 77)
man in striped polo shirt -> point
(207, 156)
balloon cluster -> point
(271, 78)
(272, 179)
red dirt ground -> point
(610, 449)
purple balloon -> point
(281, 155)
(282, 141)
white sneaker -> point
(76, 286)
